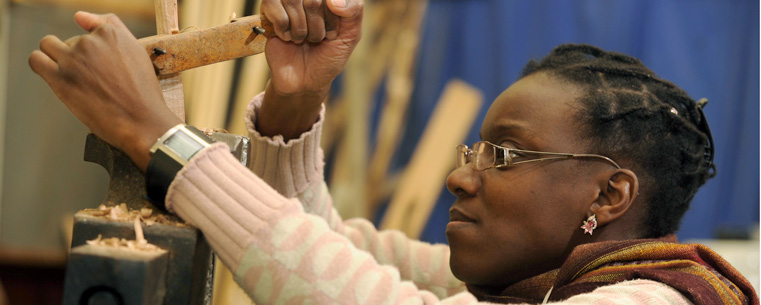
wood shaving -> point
(134, 245)
(122, 213)
(139, 244)
(146, 212)
(210, 131)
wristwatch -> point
(169, 155)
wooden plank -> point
(137, 8)
(5, 37)
(401, 78)
(211, 87)
(226, 290)
(166, 17)
(433, 159)
(171, 84)
(180, 52)
(253, 79)
(348, 174)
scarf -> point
(694, 270)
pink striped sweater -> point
(275, 227)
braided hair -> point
(644, 121)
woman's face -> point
(509, 224)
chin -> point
(465, 270)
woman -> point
(586, 165)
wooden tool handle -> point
(179, 52)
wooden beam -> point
(433, 159)
(180, 52)
(350, 171)
(171, 84)
(401, 81)
(209, 92)
(5, 37)
(252, 81)
(143, 9)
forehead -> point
(540, 108)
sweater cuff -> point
(215, 193)
(290, 167)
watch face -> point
(183, 145)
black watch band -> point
(168, 156)
(161, 171)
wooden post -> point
(346, 183)
(401, 81)
(433, 158)
(171, 85)
(5, 24)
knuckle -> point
(299, 33)
(313, 5)
(281, 24)
(47, 40)
(111, 17)
(84, 40)
(315, 37)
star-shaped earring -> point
(590, 224)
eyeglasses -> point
(485, 155)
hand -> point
(313, 43)
(107, 81)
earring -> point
(590, 224)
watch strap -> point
(161, 171)
(163, 167)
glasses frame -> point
(468, 155)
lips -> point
(456, 215)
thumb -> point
(350, 11)
(89, 21)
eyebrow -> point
(507, 128)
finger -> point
(276, 14)
(298, 28)
(43, 65)
(349, 13)
(346, 9)
(53, 47)
(315, 15)
(331, 23)
(72, 41)
(90, 22)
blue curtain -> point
(710, 48)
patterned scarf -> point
(694, 270)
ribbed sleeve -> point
(288, 167)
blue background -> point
(710, 48)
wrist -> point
(169, 154)
(141, 140)
(289, 115)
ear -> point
(616, 196)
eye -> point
(506, 156)
(514, 151)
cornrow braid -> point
(644, 121)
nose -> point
(463, 181)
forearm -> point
(276, 251)
(294, 169)
(289, 115)
(289, 166)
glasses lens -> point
(462, 155)
(483, 154)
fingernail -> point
(340, 3)
(330, 35)
(287, 36)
